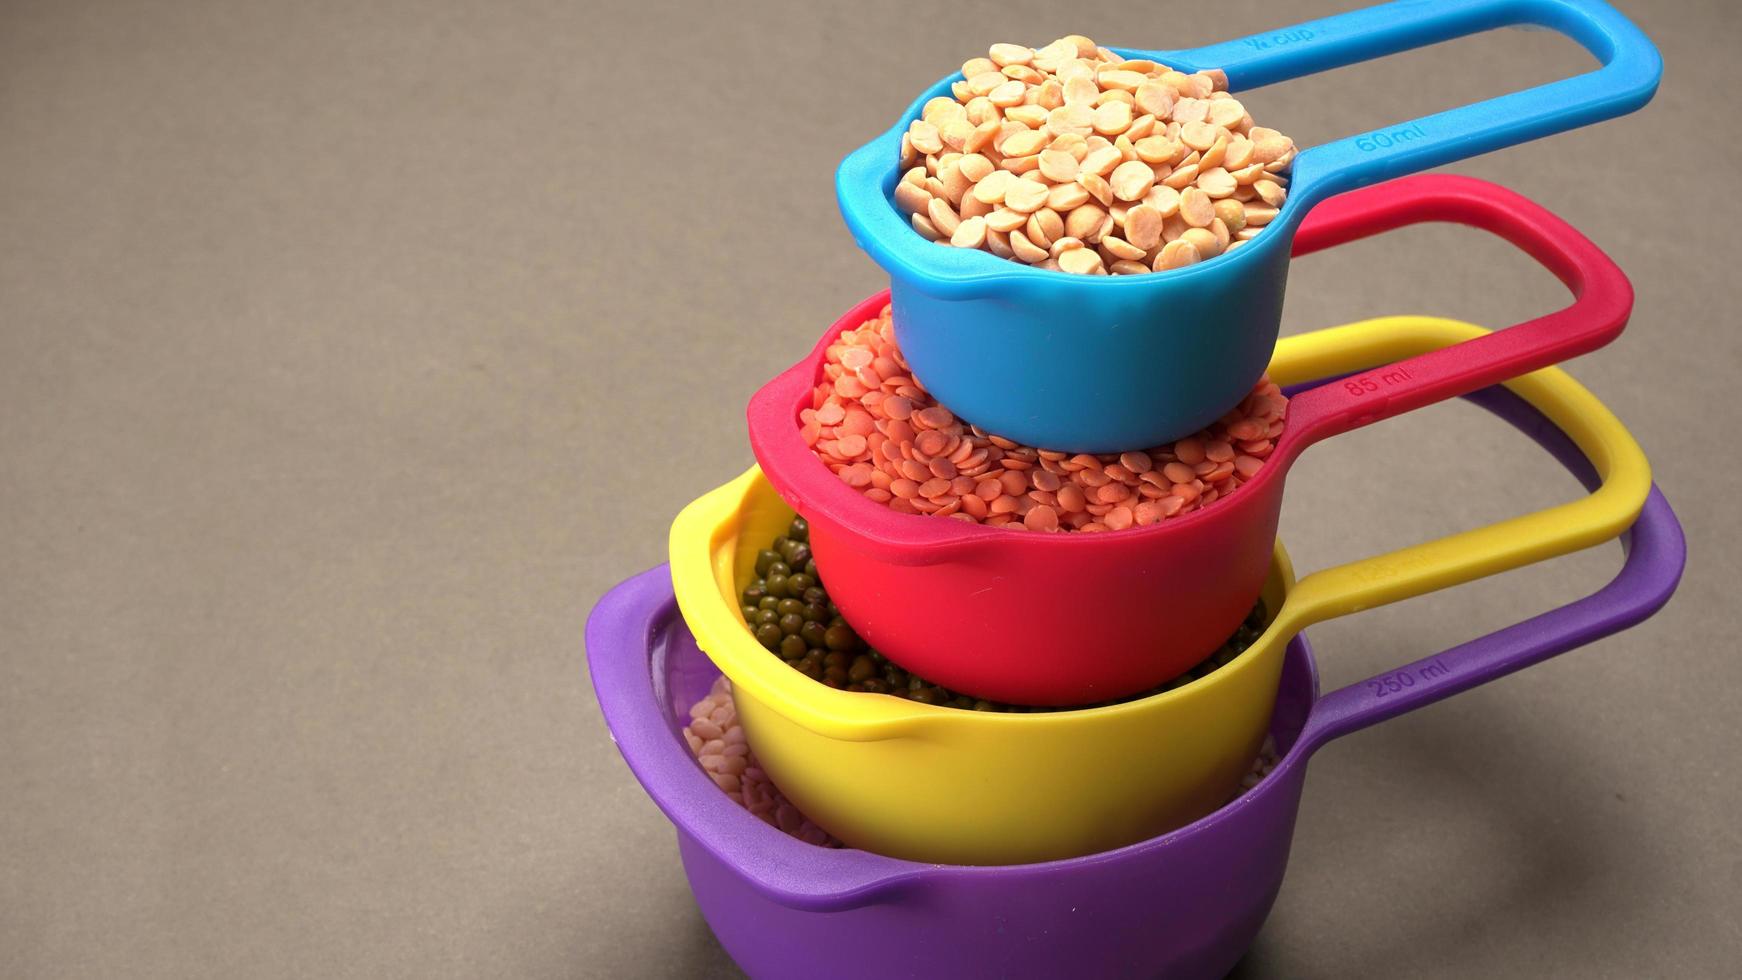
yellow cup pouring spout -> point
(943, 785)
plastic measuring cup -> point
(1106, 364)
(1185, 905)
(1070, 619)
(930, 783)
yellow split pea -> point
(1040, 154)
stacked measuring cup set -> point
(995, 652)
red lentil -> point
(895, 444)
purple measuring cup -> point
(1185, 904)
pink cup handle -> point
(1603, 299)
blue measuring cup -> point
(1110, 363)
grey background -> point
(349, 352)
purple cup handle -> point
(1656, 552)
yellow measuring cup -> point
(944, 785)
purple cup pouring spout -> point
(1185, 904)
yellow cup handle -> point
(1464, 557)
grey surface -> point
(349, 352)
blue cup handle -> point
(1627, 80)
